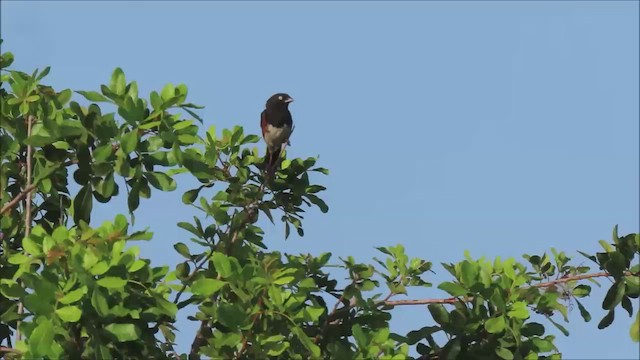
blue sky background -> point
(501, 128)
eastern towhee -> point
(276, 124)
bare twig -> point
(199, 340)
(232, 234)
(192, 275)
(245, 339)
(334, 314)
(27, 216)
(11, 204)
(453, 300)
(4, 350)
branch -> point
(200, 338)
(245, 339)
(192, 275)
(27, 216)
(11, 204)
(4, 349)
(453, 300)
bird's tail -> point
(271, 159)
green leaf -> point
(190, 196)
(504, 353)
(583, 311)
(284, 280)
(606, 246)
(12, 290)
(634, 332)
(82, 205)
(124, 332)
(69, 313)
(439, 313)
(112, 282)
(616, 265)
(93, 96)
(519, 310)
(306, 342)
(182, 249)
(118, 82)
(614, 295)
(313, 313)
(73, 296)
(6, 60)
(18, 258)
(582, 290)
(590, 257)
(532, 329)
(182, 124)
(44, 73)
(193, 114)
(626, 304)
(452, 288)
(495, 325)
(32, 98)
(249, 139)
(190, 228)
(560, 327)
(129, 141)
(277, 348)
(168, 92)
(206, 287)
(102, 153)
(41, 339)
(231, 315)
(318, 202)
(64, 96)
(99, 303)
(40, 137)
(222, 264)
(161, 181)
(31, 247)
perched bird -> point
(276, 124)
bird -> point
(277, 124)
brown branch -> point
(11, 204)
(200, 338)
(192, 275)
(198, 341)
(453, 300)
(245, 339)
(4, 349)
(27, 216)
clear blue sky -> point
(501, 128)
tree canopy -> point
(69, 289)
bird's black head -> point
(279, 100)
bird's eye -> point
(279, 97)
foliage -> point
(73, 290)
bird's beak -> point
(289, 100)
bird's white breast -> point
(275, 136)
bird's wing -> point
(263, 122)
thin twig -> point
(192, 275)
(4, 349)
(11, 204)
(334, 314)
(245, 339)
(233, 235)
(453, 300)
(27, 215)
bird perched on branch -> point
(277, 125)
